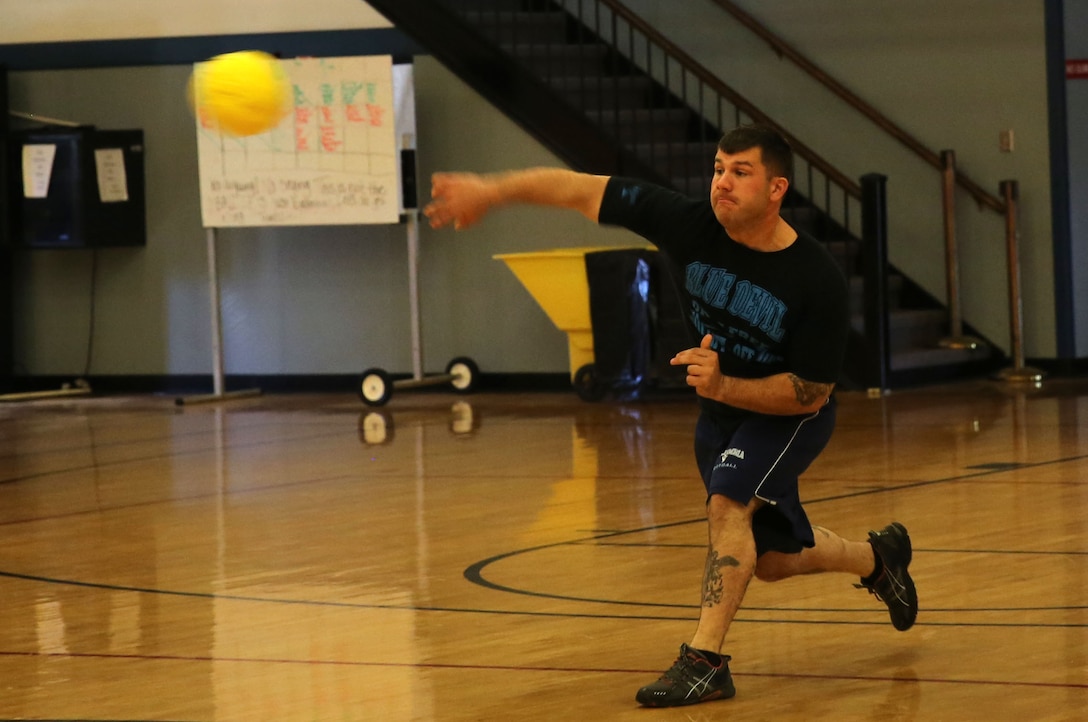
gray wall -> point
(335, 300)
(294, 300)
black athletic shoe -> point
(690, 680)
(893, 585)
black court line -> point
(533, 613)
(474, 572)
(548, 669)
(999, 552)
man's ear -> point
(779, 186)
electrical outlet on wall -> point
(1005, 141)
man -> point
(771, 306)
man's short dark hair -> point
(774, 149)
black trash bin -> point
(638, 325)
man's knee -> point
(719, 506)
(773, 567)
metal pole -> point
(1018, 372)
(413, 293)
(874, 235)
(955, 339)
(411, 209)
(217, 331)
(218, 394)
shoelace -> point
(683, 670)
(893, 584)
(869, 589)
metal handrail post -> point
(874, 234)
(1018, 372)
(956, 338)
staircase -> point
(602, 90)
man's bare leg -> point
(730, 564)
(701, 672)
(881, 563)
(832, 553)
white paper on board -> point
(37, 168)
(109, 165)
(332, 161)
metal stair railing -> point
(944, 162)
(608, 30)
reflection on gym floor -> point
(521, 556)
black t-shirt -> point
(769, 312)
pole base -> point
(210, 398)
(960, 343)
(83, 390)
(1022, 375)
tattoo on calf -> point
(713, 585)
(809, 391)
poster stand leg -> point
(218, 392)
(418, 380)
(376, 386)
(413, 291)
(79, 388)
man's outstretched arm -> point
(462, 199)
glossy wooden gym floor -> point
(521, 557)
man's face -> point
(743, 191)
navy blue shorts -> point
(763, 456)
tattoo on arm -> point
(713, 586)
(809, 391)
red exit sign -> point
(1076, 69)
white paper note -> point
(37, 169)
(109, 165)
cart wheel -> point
(587, 385)
(465, 373)
(375, 428)
(375, 387)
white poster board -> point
(332, 161)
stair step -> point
(503, 26)
(549, 60)
(691, 154)
(856, 285)
(632, 126)
(843, 250)
(802, 214)
(599, 92)
(911, 328)
(689, 166)
(920, 358)
(815, 221)
(511, 6)
(915, 334)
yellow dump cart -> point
(556, 278)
